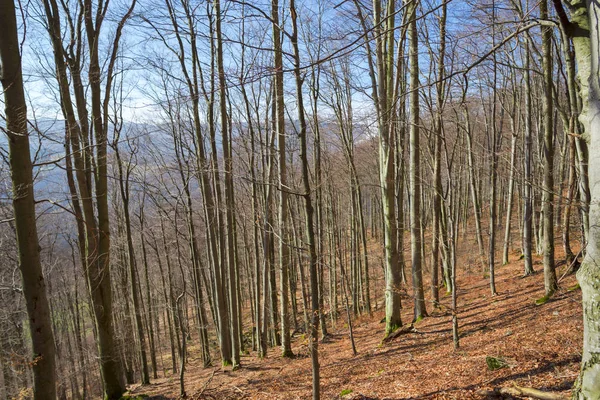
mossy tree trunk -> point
(577, 27)
(588, 385)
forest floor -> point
(540, 344)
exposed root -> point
(398, 332)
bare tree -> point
(34, 285)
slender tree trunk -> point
(308, 212)
(230, 271)
(494, 148)
(415, 173)
(124, 190)
(571, 187)
(178, 310)
(437, 168)
(169, 319)
(148, 295)
(509, 206)
(473, 183)
(527, 186)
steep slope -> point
(541, 345)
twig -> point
(570, 266)
(206, 383)
(238, 389)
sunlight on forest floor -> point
(540, 344)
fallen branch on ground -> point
(199, 394)
(518, 391)
(571, 268)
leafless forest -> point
(300, 199)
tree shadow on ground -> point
(544, 368)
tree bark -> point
(528, 186)
(308, 212)
(587, 386)
(284, 256)
(34, 286)
(415, 173)
(550, 281)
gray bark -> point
(415, 174)
(587, 386)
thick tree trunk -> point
(550, 281)
(588, 385)
(284, 256)
(34, 287)
(95, 245)
(386, 170)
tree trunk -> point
(34, 287)
(415, 174)
(550, 281)
(437, 168)
(132, 262)
(308, 212)
(284, 256)
(509, 206)
(528, 185)
(587, 386)
(230, 244)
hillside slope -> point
(541, 345)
